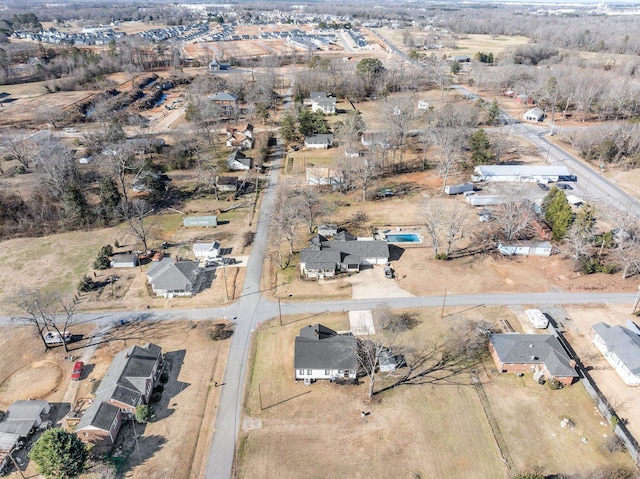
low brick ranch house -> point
(524, 353)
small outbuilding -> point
(206, 250)
(200, 221)
(535, 114)
(328, 230)
(526, 248)
(124, 260)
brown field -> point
(465, 45)
(432, 429)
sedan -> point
(543, 187)
(77, 371)
(564, 186)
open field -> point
(433, 429)
(464, 45)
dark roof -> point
(534, 349)
(103, 416)
(325, 350)
(324, 138)
(344, 236)
(345, 249)
(320, 260)
(124, 381)
(623, 342)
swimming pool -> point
(402, 238)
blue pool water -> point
(403, 238)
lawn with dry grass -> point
(433, 429)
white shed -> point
(526, 248)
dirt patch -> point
(37, 381)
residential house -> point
(238, 161)
(541, 354)
(123, 260)
(240, 138)
(127, 384)
(227, 103)
(345, 253)
(520, 173)
(375, 139)
(322, 353)
(170, 278)
(206, 250)
(621, 348)
(320, 101)
(319, 142)
(525, 248)
(227, 184)
(214, 65)
(535, 114)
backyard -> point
(434, 428)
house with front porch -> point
(320, 101)
(322, 353)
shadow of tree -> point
(141, 326)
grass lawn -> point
(432, 428)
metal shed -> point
(200, 221)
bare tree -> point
(16, 148)
(56, 161)
(399, 116)
(449, 141)
(515, 217)
(365, 169)
(45, 312)
(50, 114)
(309, 207)
(122, 166)
(434, 218)
(285, 219)
(139, 225)
(455, 226)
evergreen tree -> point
(480, 145)
(288, 128)
(493, 112)
(59, 454)
(557, 211)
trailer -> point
(537, 318)
(458, 189)
(54, 337)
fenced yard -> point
(433, 428)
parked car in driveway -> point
(77, 371)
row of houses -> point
(51, 35)
(182, 32)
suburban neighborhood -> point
(403, 237)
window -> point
(326, 372)
(339, 371)
(309, 372)
(301, 372)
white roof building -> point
(520, 173)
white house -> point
(169, 278)
(520, 173)
(321, 353)
(206, 250)
(238, 161)
(526, 248)
(621, 348)
(319, 142)
(535, 114)
(320, 101)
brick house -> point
(537, 353)
(127, 384)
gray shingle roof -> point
(325, 350)
(224, 96)
(534, 349)
(623, 343)
(124, 381)
(344, 249)
(175, 276)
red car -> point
(77, 371)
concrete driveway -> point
(371, 284)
